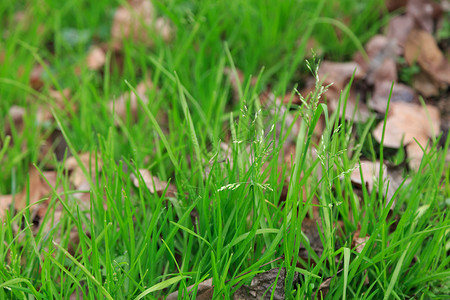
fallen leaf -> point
(392, 5)
(339, 74)
(382, 53)
(137, 21)
(400, 93)
(91, 163)
(311, 232)
(359, 243)
(164, 29)
(36, 77)
(386, 71)
(408, 122)
(237, 80)
(16, 115)
(323, 289)
(205, 291)
(96, 58)
(425, 85)
(424, 12)
(154, 184)
(354, 107)
(422, 48)
(5, 202)
(129, 99)
(392, 178)
(37, 189)
(370, 172)
(262, 286)
(60, 101)
(375, 45)
(399, 28)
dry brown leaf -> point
(392, 178)
(90, 161)
(375, 45)
(425, 85)
(96, 58)
(415, 152)
(163, 28)
(310, 228)
(323, 289)
(129, 99)
(386, 71)
(370, 171)
(36, 80)
(237, 82)
(392, 5)
(60, 99)
(16, 115)
(159, 185)
(37, 190)
(399, 28)
(263, 284)
(408, 121)
(400, 93)
(205, 291)
(422, 48)
(5, 202)
(136, 21)
(382, 53)
(354, 107)
(359, 243)
(424, 12)
(339, 74)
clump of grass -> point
(228, 223)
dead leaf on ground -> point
(120, 105)
(38, 188)
(96, 58)
(392, 5)
(415, 152)
(36, 77)
(425, 85)
(422, 48)
(205, 291)
(5, 202)
(262, 284)
(400, 93)
(339, 74)
(424, 12)
(236, 83)
(159, 185)
(354, 107)
(60, 101)
(370, 171)
(323, 289)
(137, 21)
(360, 242)
(14, 118)
(91, 163)
(399, 28)
(408, 122)
(311, 231)
(382, 53)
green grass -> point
(228, 223)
